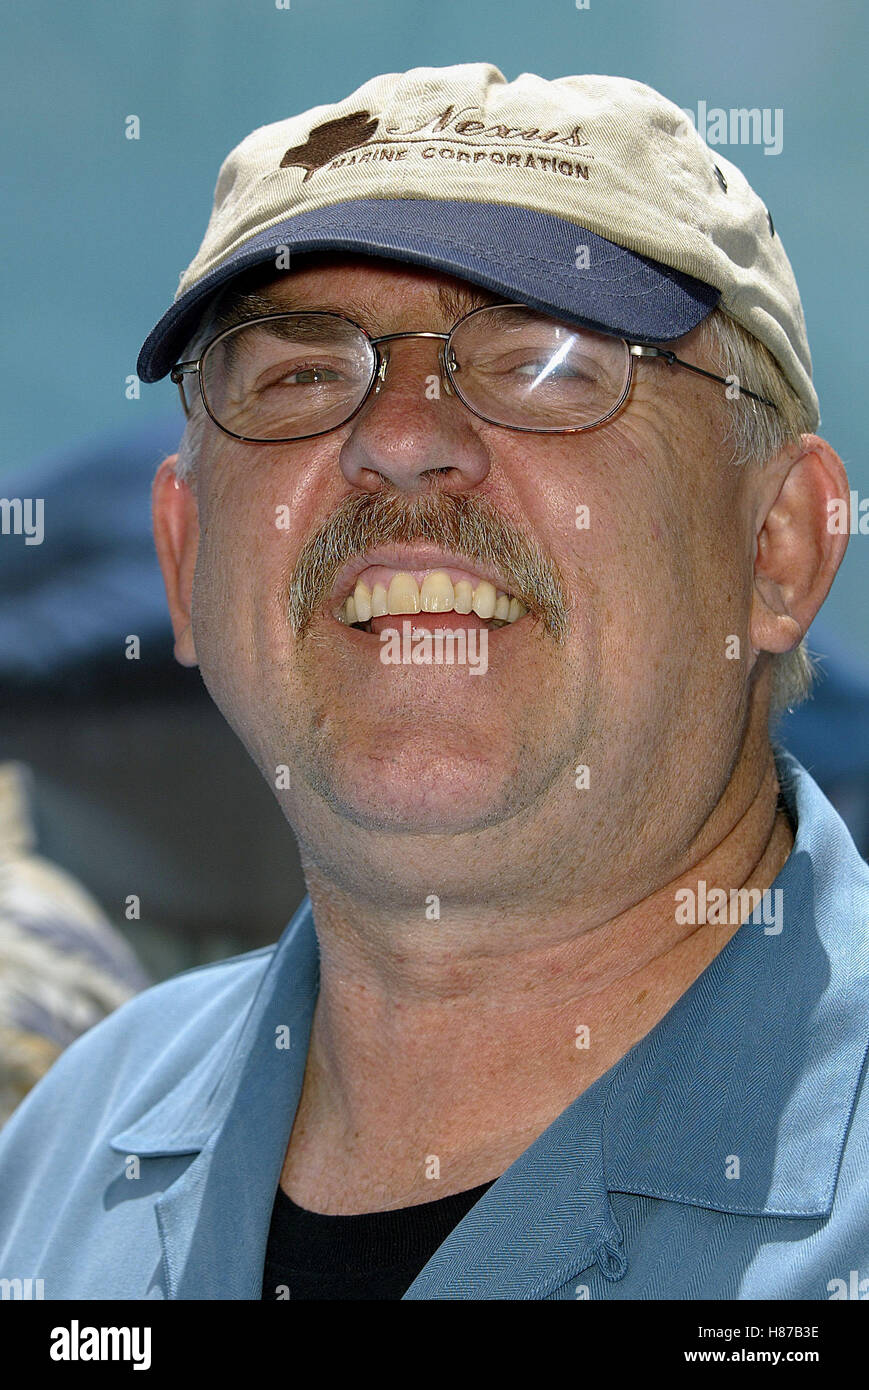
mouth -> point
(377, 588)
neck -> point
(459, 1037)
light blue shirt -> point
(726, 1156)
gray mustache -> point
(452, 522)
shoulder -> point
(182, 1013)
(175, 1030)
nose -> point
(412, 430)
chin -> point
(409, 793)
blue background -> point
(97, 228)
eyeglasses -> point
(284, 377)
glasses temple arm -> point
(639, 350)
(177, 374)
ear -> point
(799, 543)
(176, 534)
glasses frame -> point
(448, 366)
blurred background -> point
(120, 771)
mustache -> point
(453, 522)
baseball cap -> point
(590, 198)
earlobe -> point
(797, 550)
(176, 536)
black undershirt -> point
(375, 1255)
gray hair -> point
(191, 440)
(754, 434)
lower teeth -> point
(490, 623)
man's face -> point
(640, 524)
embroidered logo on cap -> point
(448, 135)
(330, 139)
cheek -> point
(660, 558)
(240, 568)
(218, 623)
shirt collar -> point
(266, 1046)
(740, 1098)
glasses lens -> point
(522, 369)
(287, 376)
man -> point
(575, 1007)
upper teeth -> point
(436, 594)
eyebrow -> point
(454, 301)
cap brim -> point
(541, 260)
